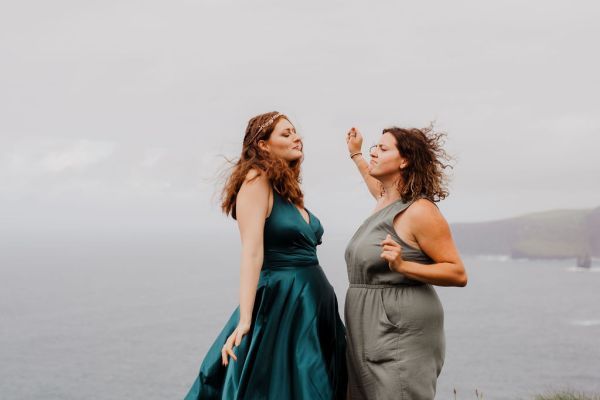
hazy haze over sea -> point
(132, 317)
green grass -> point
(567, 395)
(560, 395)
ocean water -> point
(129, 316)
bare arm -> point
(433, 235)
(354, 140)
(252, 205)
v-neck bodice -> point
(288, 239)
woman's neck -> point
(390, 190)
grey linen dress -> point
(395, 325)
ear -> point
(403, 164)
(263, 145)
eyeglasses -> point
(372, 149)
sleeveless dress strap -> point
(410, 251)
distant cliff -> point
(550, 234)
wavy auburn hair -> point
(424, 176)
(284, 177)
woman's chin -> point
(297, 156)
(372, 171)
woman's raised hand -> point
(354, 140)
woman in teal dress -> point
(286, 339)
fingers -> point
(390, 259)
(390, 248)
(223, 356)
(231, 353)
(227, 349)
(389, 241)
(352, 133)
(390, 255)
(238, 338)
(224, 353)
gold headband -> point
(266, 124)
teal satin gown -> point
(296, 345)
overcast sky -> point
(114, 113)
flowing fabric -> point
(296, 345)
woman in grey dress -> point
(394, 318)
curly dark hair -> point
(424, 176)
(283, 176)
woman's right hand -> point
(233, 340)
(354, 140)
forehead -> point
(387, 139)
(282, 125)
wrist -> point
(246, 321)
(355, 154)
(397, 266)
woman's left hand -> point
(392, 252)
(233, 340)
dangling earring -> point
(381, 189)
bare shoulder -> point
(255, 180)
(424, 212)
(253, 195)
(255, 186)
(254, 174)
